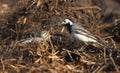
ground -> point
(62, 53)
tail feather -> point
(106, 47)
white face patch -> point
(66, 21)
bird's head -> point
(67, 22)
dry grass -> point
(61, 54)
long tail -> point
(106, 47)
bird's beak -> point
(63, 23)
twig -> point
(114, 64)
(81, 8)
(3, 66)
(69, 54)
(105, 55)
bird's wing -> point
(77, 27)
(80, 30)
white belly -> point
(83, 38)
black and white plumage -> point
(80, 33)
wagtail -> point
(81, 34)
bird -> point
(81, 34)
(44, 35)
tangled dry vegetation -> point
(26, 18)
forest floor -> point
(61, 54)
